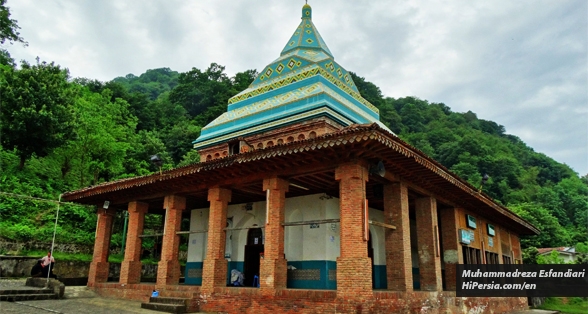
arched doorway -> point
(253, 249)
(370, 247)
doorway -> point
(370, 248)
(253, 250)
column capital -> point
(275, 183)
(353, 170)
(138, 207)
(173, 201)
(219, 194)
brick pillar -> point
(168, 269)
(452, 254)
(398, 252)
(130, 269)
(428, 244)
(273, 272)
(99, 266)
(214, 273)
(354, 267)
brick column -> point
(273, 271)
(398, 252)
(130, 269)
(354, 267)
(99, 266)
(428, 241)
(452, 254)
(168, 269)
(214, 273)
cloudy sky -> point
(522, 64)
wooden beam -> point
(190, 232)
(381, 224)
(310, 222)
(151, 235)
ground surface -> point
(80, 300)
(77, 300)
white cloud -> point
(522, 64)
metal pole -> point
(124, 235)
(53, 241)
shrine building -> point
(318, 204)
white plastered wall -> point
(302, 243)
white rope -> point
(53, 241)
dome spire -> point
(306, 11)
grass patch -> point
(566, 305)
(59, 256)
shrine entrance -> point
(253, 250)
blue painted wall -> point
(379, 277)
(380, 281)
(192, 280)
(322, 283)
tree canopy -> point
(80, 132)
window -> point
(208, 157)
(312, 134)
(471, 255)
(491, 231)
(270, 144)
(234, 148)
(491, 258)
(260, 146)
(471, 221)
(280, 141)
(506, 259)
(290, 139)
(300, 137)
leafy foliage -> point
(95, 131)
(35, 113)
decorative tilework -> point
(309, 38)
(298, 76)
(268, 72)
(195, 273)
(304, 274)
(332, 275)
(305, 56)
(273, 124)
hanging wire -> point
(41, 199)
(53, 241)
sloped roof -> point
(362, 141)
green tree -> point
(36, 109)
(552, 233)
(8, 27)
(103, 132)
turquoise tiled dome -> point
(303, 83)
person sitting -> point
(47, 262)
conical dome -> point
(305, 82)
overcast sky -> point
(522, 64)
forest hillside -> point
(59, 133)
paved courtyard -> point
(80, 300)
(77, 300)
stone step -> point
(168, 308)
(166, 300)
(26, 291)
(27, 297)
